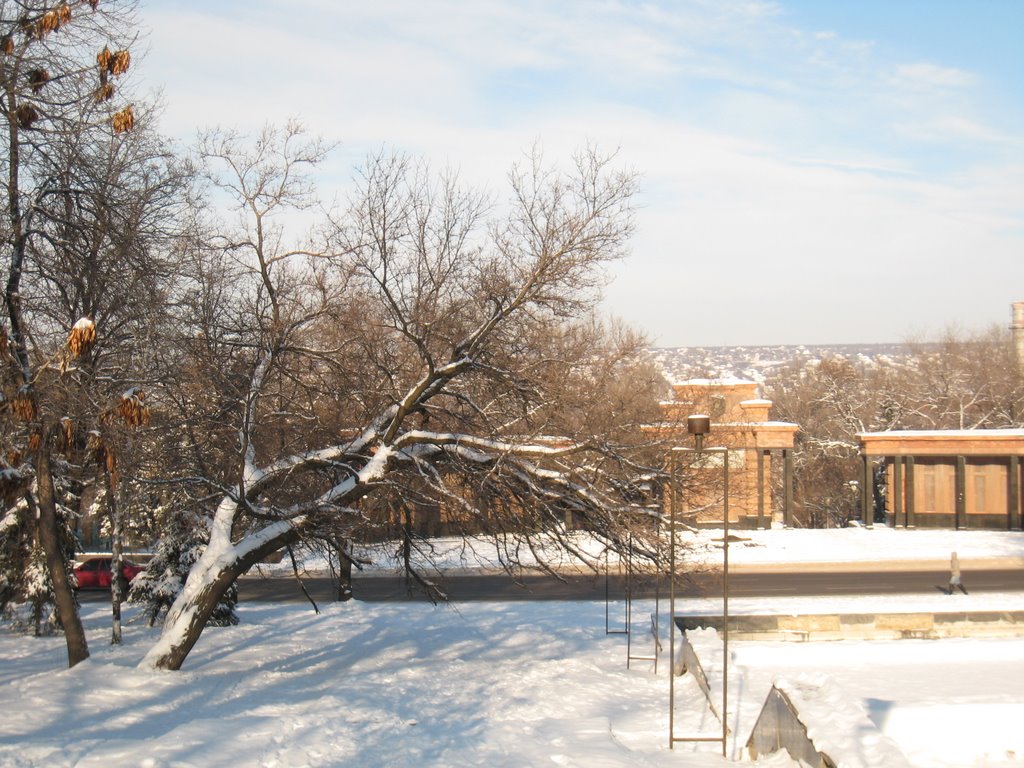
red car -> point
(94, 573)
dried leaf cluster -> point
(68, 429)
(27, 115)
(123, 120)
(115, 63)
(81, 337)
(37, 78)
(51, 21)
(24, 405)
(133, 409)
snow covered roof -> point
(943, 442)
(946, 433)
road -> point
(495, 587)
(374, 589)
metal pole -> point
(725, 604)
(674, 497)
(607, 599)
(674, 470)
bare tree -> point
(58, 66)
(106, 261)
(421, 352)
(962, 381)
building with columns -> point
(741, 425)
(948, 478)
(968, 478)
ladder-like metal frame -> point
(627, 629)
(674, 470)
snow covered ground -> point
(512, 684)
(769, 549)
(506, 684)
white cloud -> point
(924, 75)
(769, 175)
(955, 128)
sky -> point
(811, 172)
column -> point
(911, 521)
(787, 483)
(896, 492)
(760, 488)
(1013, 516)
(960, 487)
(867, 494)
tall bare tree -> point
(59, 63)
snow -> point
(946, 433)
(838, 724)
(775, 549)
(943, 703)
(880, 546)
(507, 684)
(523, 683)
(511, 684)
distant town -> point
(758, 363)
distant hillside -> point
(758, 363)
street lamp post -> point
(699, 426)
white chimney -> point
(1017, 328)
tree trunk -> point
(344, 572)
(117, 582)
(407, 545)
(49, 537)
(207, 582)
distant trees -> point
(962, 381)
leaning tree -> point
(426, 343)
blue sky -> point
(812, 171)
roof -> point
(943, 442)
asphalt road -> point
(376, 589)
(499, 587)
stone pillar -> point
(868, 493)
(1017, 327)
(787, 485)
(911, 499)
(1013, 520)
(896, 493)
(760, 488)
